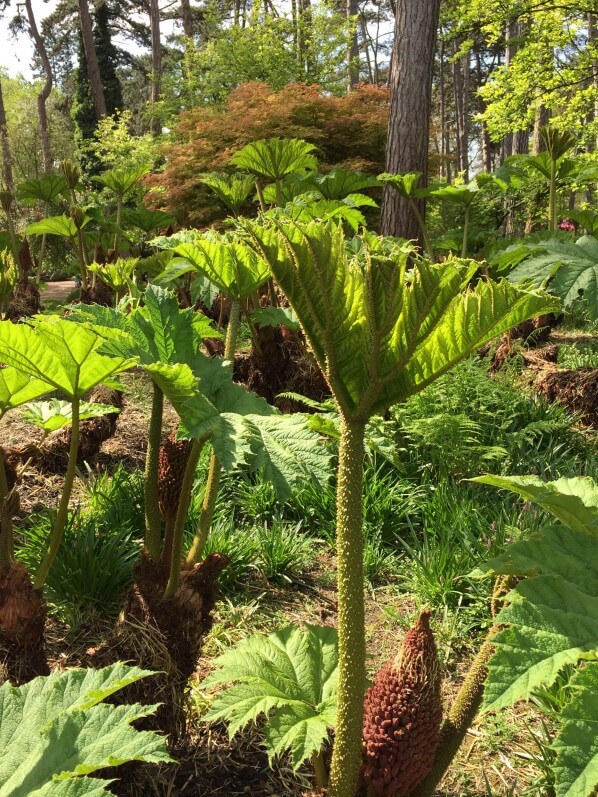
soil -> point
(576, 389)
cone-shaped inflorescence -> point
(171, 470)
(403, 710)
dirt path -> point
(58, 291)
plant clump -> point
(174, 454)
(403, 710)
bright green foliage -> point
(55, 225)
(121, 181)
(457, 194)
(406, 184)
(587, 219)
(243, 429)
(567, 270)
(291, 677)
(147, 220)
(274, 158)
(18, 388)
(273, 316)
(54, 414)
(116, 275)
(55, 731)
(231, 189)
(340, 183)
(9, 275)
(572, 501)
(157, 332)
(48, 188)
(236, 269)
(378, 340)
(59, 352)
(576, 745)
(551, 620)
(305, 209)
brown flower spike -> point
(403, 710)
(171, 470)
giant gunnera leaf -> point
(55, 730)
(289, 676)
(551, 620)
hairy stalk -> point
(465, 232)
(5, 520)
(181, 516)
(346, 754)
(42, 249)
(82, 263)
(260, 196)
(63, 506)
(209, 500)
(319, 765)
(460, 717)
(552, 199)
(119, 209)
(14, 245)
(153, 526)
(167, 547)
(424, 230)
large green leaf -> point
(231, 189)
(233, 267)
(573, 501)
(378, 332)
(121, 181)
(290, 676)
(339, 183)
(18, 388)
(148, 220)
(48, 188)
(274, 158)
(54, 414)
(551, 620)
(59, 352)
(55, 225)
(576, 745)
(54, 731)
(569, 270)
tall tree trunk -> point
(485, 136)
(458, 102)
(412, 66)
(444, 143)
(6, 155)
(46, 88)
(464, 148)
(510, 50)
(91, 59)
(366, 47)
(187, 19)
(353, 51)
(156, 63)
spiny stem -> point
(424, 230)
(181, 517)
(153, 525)
(346, 754)
(209, 500)
(119, 208)
(317, 762)
(62, 514)
(460, 717)
(260, 196)
(552, 219)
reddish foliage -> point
(348, 130)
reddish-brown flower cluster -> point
(403, 710)
(171, 470)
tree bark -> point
(187, 19)
(412, 66)
(91, 59)
(353, 51)
(46, 88)
(6, 154)
(156, 63)
(485, 136)
(464, 106)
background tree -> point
(6, 155)
(91, 59)
(410, 105)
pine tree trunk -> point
(156, 63)
(353, 51)
(458, 99)
(464, 106)
(46, 88)
(485, 136)
(187, 19)
(412, 66)
(91, 58)
(6, 154)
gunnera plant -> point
(402, 714)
